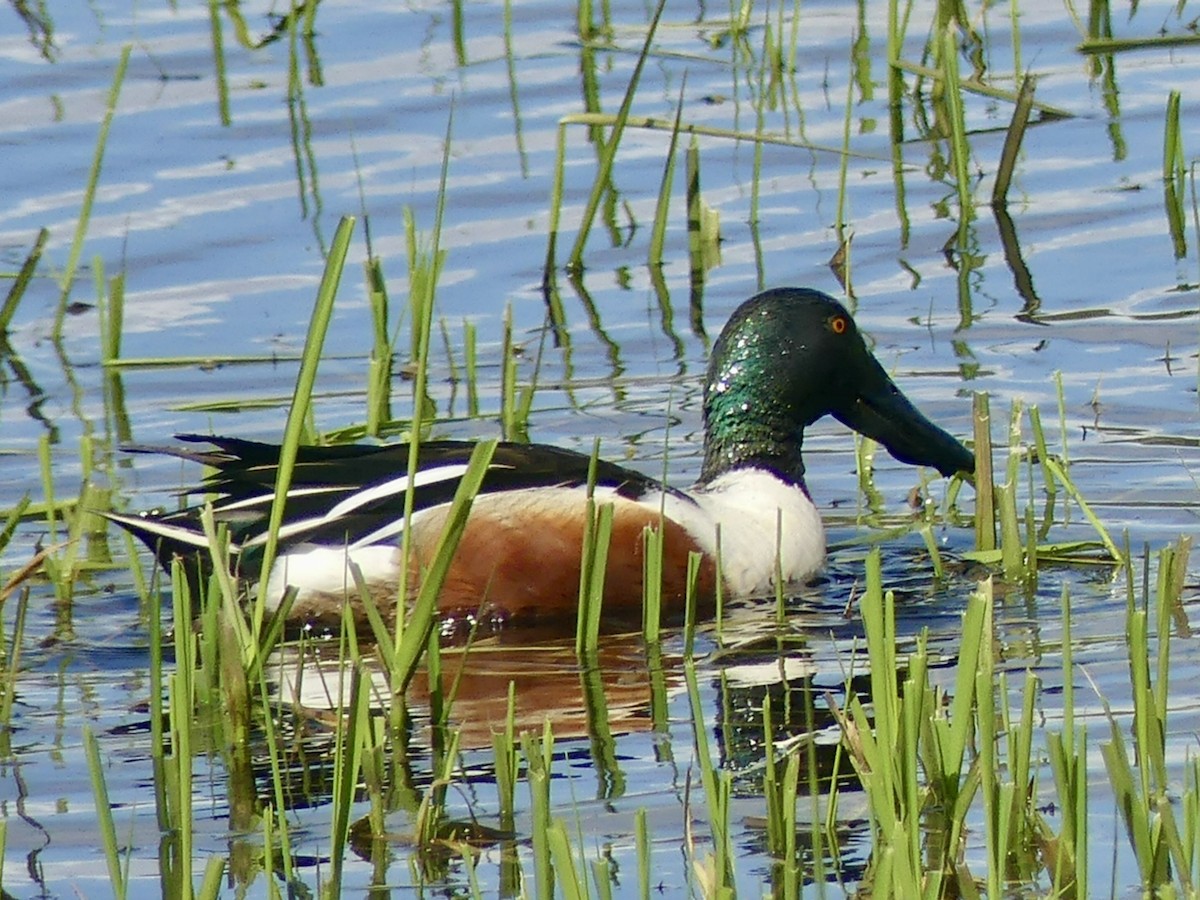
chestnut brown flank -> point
(520, 557)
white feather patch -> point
(325, 570)
(360, 498)
(759, 515)
(181, 533)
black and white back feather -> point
(350, 495)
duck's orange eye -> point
(838, 324)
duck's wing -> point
(350, 495)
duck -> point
(786, 357)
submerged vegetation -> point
(440, 762)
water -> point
(219, 230)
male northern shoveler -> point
(786, 357)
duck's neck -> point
(740, 444)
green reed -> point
(403, 655)
(780, 790)
(11, 655)
(1041, 450)
(158, 737)
(839, 225)
(641, 832)
(985, 518)
(1012, 548)
(504, 748)
(296, 424)
(1007, 532)
(652, 582)
(937, 565)
(716, 869)
(407, 644)
(608, 147)
(376, 774)
(24, 275)
(568, 878)
(1105, 45)
(431, 815)
(110, 307)
(117, 873)
(973, 85)
(349, 748)
(274, 811)
(584, 20)
(424, 269)
(1064, 452)
(212, 883)
(1174, 175)
(1165, 849)
(592, 120)
(766, 56)
(691, 601)
(176, 813)
(379, 365)
(46, 470)
(89, 190)
(471, 367)
(924, 758)
(662, 208)
(1013, 138)
(299, 125)
(510, 65)
(602, 877)
(1067, 859)
(597, 535)
(1014, 24)
(439, 699)
(609, 150)
(1060, 475)
(704, 222)
(221, 71)
(539, 758)
(960, 151)
(516, 403)
(913, 733)
(457, 29)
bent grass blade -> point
(301, 400)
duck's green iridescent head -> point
(789, 356)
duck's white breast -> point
(760, 517)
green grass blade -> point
(424, 609)
(210, 886)
(423, 280)
(301, 398)
(1012, 141)
(89, 191)
(348, 753)
(1061, 475)
(985, 513)
(662, 208)
(108, 833)
(959, 148)
(11, 300)
(604, 168)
